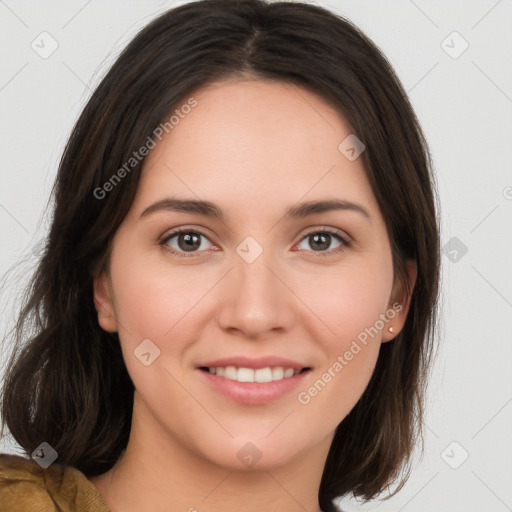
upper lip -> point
(254, 363)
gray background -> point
(464, 103)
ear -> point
(103, 303)
(399, 303)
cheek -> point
(348, 300)
(336, 389)
(349, 356)
(152, 304)
(152, 298)
(162, 303)
(351, 305)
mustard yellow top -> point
(26, 487)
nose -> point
(255, 298)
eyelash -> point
(345, 242)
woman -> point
(237, 300)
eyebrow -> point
(209, 209)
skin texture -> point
(254, 148)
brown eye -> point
(185, 241)
(322, 242)
(189, 241)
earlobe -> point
(103, 303)
(400, 304)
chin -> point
(247, 455)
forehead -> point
(249, 144)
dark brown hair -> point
(67, 383)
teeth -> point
(249, 375)
(263, 375)
(288, 372)
(277, 373)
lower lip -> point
(253, 393)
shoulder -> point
(25, 485)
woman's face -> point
(257, 282)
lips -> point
(253, 393)
(289, 374)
